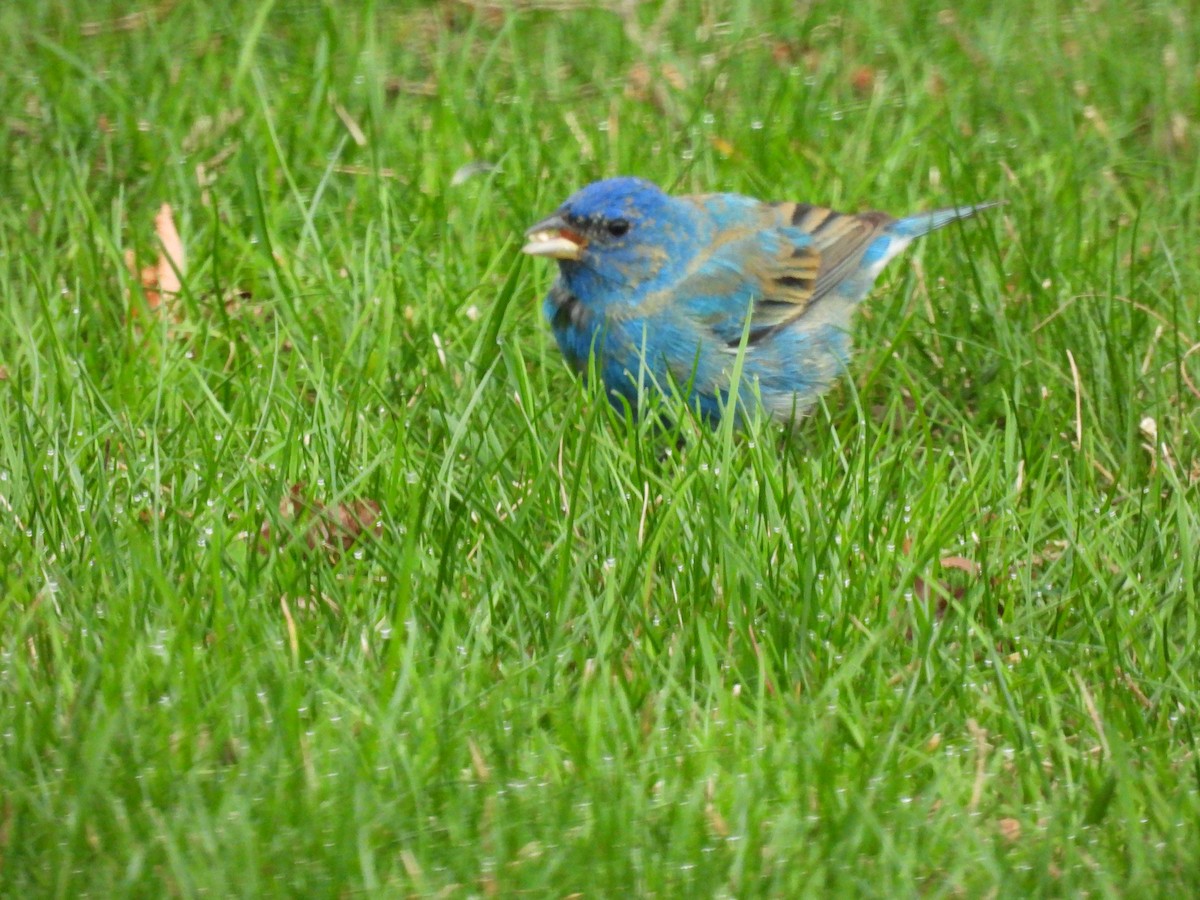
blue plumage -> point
(667, 291)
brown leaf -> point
(330, 528)
(1010, 830)
(347, 522)
(172, 262)
(163, 278)
(637, 82)
(724, 147)
(921, 588)
(862, 80)
(672, 76)
(961, 563)
(782, 53)
(716, 821)
(647, 85)
(935, 84)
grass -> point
(941, 641)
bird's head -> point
(617, 234)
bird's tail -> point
(923, 223)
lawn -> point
(323, 576)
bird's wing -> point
(843, 241)
(775, 260)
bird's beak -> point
(552, 237)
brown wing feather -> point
(839, 239)
(789, 281)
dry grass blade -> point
(131, 22)
(1078, 400)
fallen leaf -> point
(348, 522)
(209, 130)
(935, 84)
(921, 589)
(716, 821)
(961, 563)
(672, 76)
(162, 280)
(1010, 830)
(863, 80)
(331, 528)
(1052, 551)
(724, 147)
(781, 52)
(1149, 429)
(1157, 449)
(637, 82)
(647, 85)
(171, 261)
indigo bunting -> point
(669, 293)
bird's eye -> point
(618, 227)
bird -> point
(724, 299)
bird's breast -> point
(573, 324)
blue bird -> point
(670, 293)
